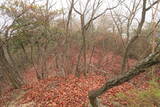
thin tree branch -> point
(152, 5)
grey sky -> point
(64, 3)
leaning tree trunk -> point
(149, 61)
(9, 71)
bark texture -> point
(149, 61)
(9, 72)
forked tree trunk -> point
(149, 61)
(133, 39)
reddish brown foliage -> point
(68, 92)
(72, 91)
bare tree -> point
(140, 67)
(154, 29)
(124, 22)
(138, 32)
(91, 13)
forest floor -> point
(71, 91)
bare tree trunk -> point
(133, 39)
(9, 71)
(78, 62)
(149, 61)
(86, 24)
(24, 52)
(154, 29)
(69, 16)
(90, 59)
(84, 52)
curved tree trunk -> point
(10, 72)
(133, 39)
(149, 61)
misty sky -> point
(63, 3)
